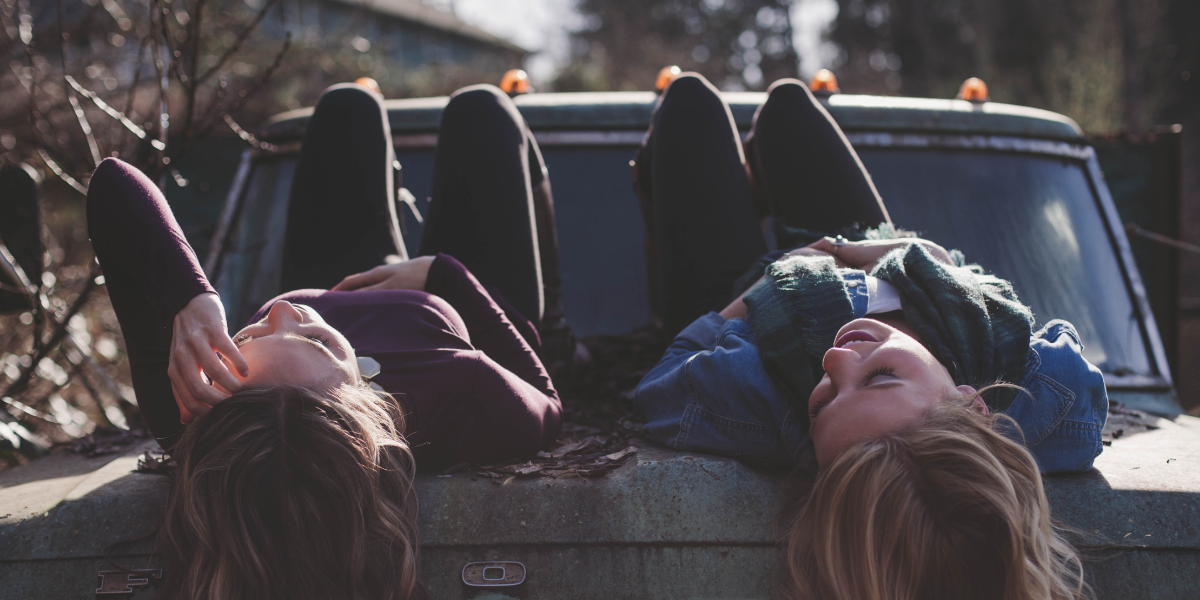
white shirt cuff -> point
(881, 296)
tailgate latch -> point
(493, 574)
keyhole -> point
(493, 573)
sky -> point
(543, 26)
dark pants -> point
(486, 169)
(702, 203)
(342, 209)
(491, 208)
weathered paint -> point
(666, 525)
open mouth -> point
(853, 337)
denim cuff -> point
(856, 287)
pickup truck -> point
(1018, 190)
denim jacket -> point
(711, 393)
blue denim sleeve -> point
(711, 393)
(1063, 413)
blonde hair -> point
(286, 492)
(948, 507)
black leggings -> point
(702, 215)
(342, 216)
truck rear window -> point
(1030, 219)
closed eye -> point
(812, 414)
(316, 338)
(242, 339)
(880, 372)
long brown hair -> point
(948, 507)
(286, 492)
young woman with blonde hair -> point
(855, 353)
(295, 475)
(944, 507)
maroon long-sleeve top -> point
(472, 386)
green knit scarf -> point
(971, 322)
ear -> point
(979, 404)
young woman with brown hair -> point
(287, 492)
(845, 356)
(294, 476)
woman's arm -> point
(488, 326)
(865, 254)
(490, 329)
(152, 275)
(503, 416)
(711, 392)
(1061, 415)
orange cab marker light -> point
(370, 84)
(973, 89)
(824, 82)
(515, 81)
(665, 76)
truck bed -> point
(663, 525)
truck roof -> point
(632, 111)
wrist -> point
(197, 302)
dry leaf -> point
(622, 454)
(573, 447)
(528, 469)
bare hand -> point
(865, 255)
(811, 250)
(407, 275)
(199, 333)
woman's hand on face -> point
(865, 255)
(408, 275)
(199, 333)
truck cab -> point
(1017, 190)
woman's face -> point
(293, 345)
(877, 379)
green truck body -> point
(1018, 190)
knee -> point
(482, 99)
(349, 97)
(115, 181)
(789, 104)
(786, 86)
(689, 88)
(790, 92)
(480, 108)
(480, 96)
(690, 102)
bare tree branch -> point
(60, 330)
(190, 104)
(137, 76)
(194, 31)
(162, 67)
(247, 136)
(112, 112)
(237, 44)
(29, 410)
(209, 119)
(76, 108)
(71, 181)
